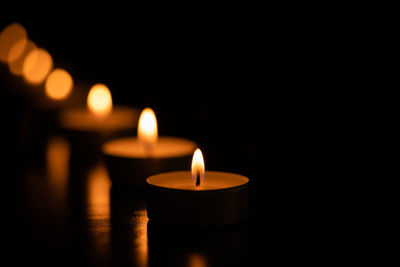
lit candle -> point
(130, 160)
(58, 93)
(197, 197)
(89, 127)
(59, 84)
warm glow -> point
(140, 242)
(57, 157)
(198, 169)
(99, 185)
(15, 65)
(147, 129)
(8, 37)
(17, 50)
(196, 260)
(37, 65)
(99, 100)
(58, 84)
(98, 207)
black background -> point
(264, 94)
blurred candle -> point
(58, 84)
(15, 65)
(49, 100)
(59, 93)
(197, 197)
(130, 160)
(37, 65)
(14, 45)
(89, 127)
(9, 36)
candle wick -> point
(197, 179)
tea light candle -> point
(197, 198)
(130, 160)
(59, 93)
(90, 127)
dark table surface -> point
(278, 111)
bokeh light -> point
(58, 84)
(16, 50)
(15, 66)
(37, 65)
(8, 37)
(99, 100)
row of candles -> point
(145, 162)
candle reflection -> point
(8, 37)
(98, 212)
(99, 193)
(57, 158)
(139, 222)
(129, 215)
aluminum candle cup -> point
(129, 162)
(174, 199)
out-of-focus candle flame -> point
(8, 37)
(37, 65)
(58, 84)
(198, 169)
(16, 65)
(147, 129)
(17, 50)
(99, 100)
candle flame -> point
(198, 169)
(16, 65)
(99, 100)
(10, 35)
(58, 84)
(17, 50)
(147, 129)
(37, 65)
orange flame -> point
(16, 65)
(58, 84)
(8, 37)
(198, 169)
(37, 65)
(147, 129)
(99, 100)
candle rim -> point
(246, 181)
(67, 115)
(109, 151)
